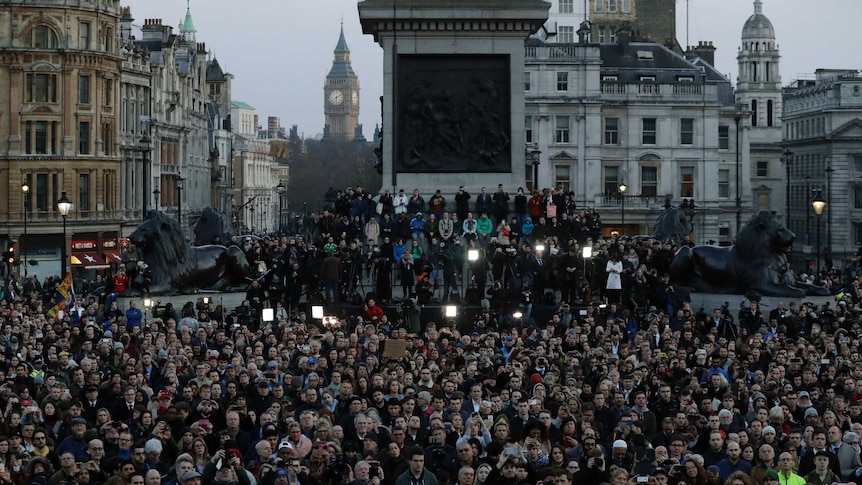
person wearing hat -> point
(620, 455)
(771, 478)
(190, 478)
(75, 442)
(822, 475)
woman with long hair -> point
(200, 453)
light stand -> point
(623, 188)
(280, 188)
(536, 155)
(818, 203)
(64, 205)
(25, 189)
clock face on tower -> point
(354, 98)
(336, 97)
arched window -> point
(42, 37)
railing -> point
(654, 89)
(632, 201)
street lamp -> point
(786, 154)
(818, 203)
(179, 199)
(280, 190)
(623, 188)
(156, 194)
(251, 209)
(144, 147)
(64, 205)
(688, 206)
(536, 155)
(25, 189)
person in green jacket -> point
(484, 227)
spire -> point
(188, 24)
(758, 7)
(341, 47)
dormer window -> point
(647, 79)
(610, 78)
(685, 79)
(645, 55)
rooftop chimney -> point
(704, 50)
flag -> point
(63, 298)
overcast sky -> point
(281, 50)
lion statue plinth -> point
(673, 226)
(756, 262)
(179, 268)
(212, 227)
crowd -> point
(625, 383)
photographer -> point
(226, 469)
(511, 462)
(367, 473)
(439, 455)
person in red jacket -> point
(536, 205)
(373, 312)
(121, 281)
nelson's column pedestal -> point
(453, 90)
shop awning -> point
(89, 260)
(113, 257)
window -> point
(857, 234)
(610, 78)
(649, 181)
(612, 179)
(562, 81)
(84, 89)
(562, 132)
(562, 176)
(84, 35)
(41, 88)
(612, 131)
(566, 34)
(753, 112)
(528, 129)
(647, 79)
(754, 72)
(724, 183)
(762, 168)
(612, 6)
(528, 85)
(84, 193)
(686, 182)
(107, 139)
(567, 6)
(723, 137)
(626, 6)
(769, 110)
(686, 131)
(600, 6)
(857, 162)
(42, 37)
(857, 197)
(601, 34)
(42, 191)
(109, 92)
(649, 131)
(84, 138)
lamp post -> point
(179, 199)
(156, 194)
(280, 190)
(688, 206)
(144, 147)
(623, 187)
(808, 213)
(786, 155)
(64, 204)
(829, 170)
(25, 190)
(818, 203)
(251, 209)
(536, 155)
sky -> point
(280, 51)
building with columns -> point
(59, 90)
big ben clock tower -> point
(341, 96)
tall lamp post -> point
(818, 203)
(808, 213)
(144, 147)
(623, 187)
(786, 154)
(179, 199)
(688, 207)
(156, 194)
(25, 190)
(536, 155)
(251, 209)
(829, 171)
(64, 205)
(280, 190)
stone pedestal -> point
(453, 90)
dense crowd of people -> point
(625, 383)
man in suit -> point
(845, 447)
(124, 407)
(483, 202)
(92, 403)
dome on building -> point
(758, 25)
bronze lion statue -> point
(673, 226)
(178, 268)
(756, 262)
(212, 227)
